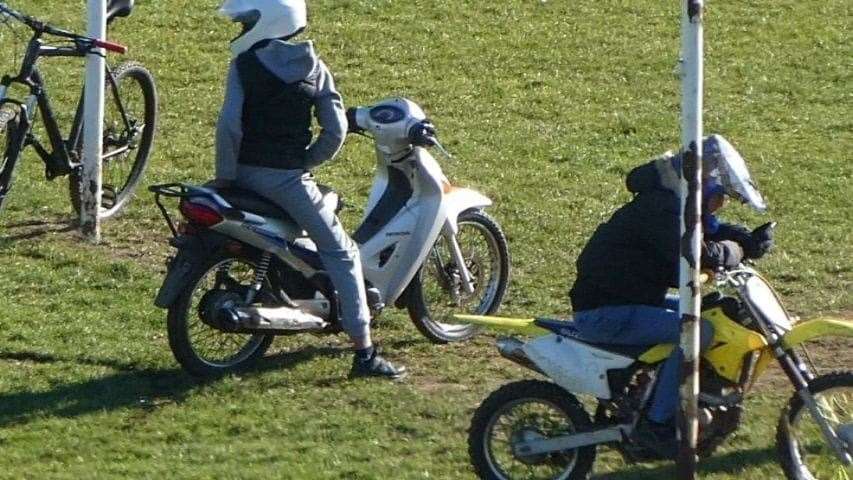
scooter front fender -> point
(457, 200)
(819, 327)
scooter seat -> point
(251, 202)
(568, 329)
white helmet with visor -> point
(264, 20)
(724, 165)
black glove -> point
(761, 241)
(352, 125)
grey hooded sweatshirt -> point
(291, 63)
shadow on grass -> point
(132, 386)
(28, 232)
(728, 463)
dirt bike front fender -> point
(819, 327)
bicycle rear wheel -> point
(11, 142)
(127, 144)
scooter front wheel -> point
(437, 293)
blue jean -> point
(645, 325)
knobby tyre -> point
(11, 142)
(127, 146)
(201, 349)
(523, 411)
(436, 292)
(804, 454)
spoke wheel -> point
(10, 148)
(526, 411)
(200, 347)
(126, 145)
(804, 452)
(437, 292)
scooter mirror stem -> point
(443, 151)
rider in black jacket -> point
(632, 260)
(633, 257)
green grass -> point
(546, 106)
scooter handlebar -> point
(352, 122)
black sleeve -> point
(730, 231)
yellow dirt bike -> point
(539, 429)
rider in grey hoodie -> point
(264, 144)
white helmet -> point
(264, 20)
(722, 163)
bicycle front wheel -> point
(130, 119)
(11, 142)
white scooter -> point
(245, 272)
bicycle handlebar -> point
(42, 27)
(111, 46)
(12, 13)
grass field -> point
(546, 106)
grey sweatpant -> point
(296, 192)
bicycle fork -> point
(18, 132)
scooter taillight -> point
(200, 215)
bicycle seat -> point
(251, 202)
(118, 8)
(568, 329)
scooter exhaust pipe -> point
(263, 319)
(512, 349)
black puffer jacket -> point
(632, 259)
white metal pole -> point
(691, 231)
(93, 120)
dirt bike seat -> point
(251, 202)
(118, 8)
(568, 329)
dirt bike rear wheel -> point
(804, 453)
(525, 410)
(201, 349)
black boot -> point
(375, 366)
(657, 437)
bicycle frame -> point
(63, 157)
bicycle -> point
(128, 130)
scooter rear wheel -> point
(436, 292)
(201, 349)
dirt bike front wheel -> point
(202, 349)
(525, 411)
(130, 120)
(805, 454)
(437, 292)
